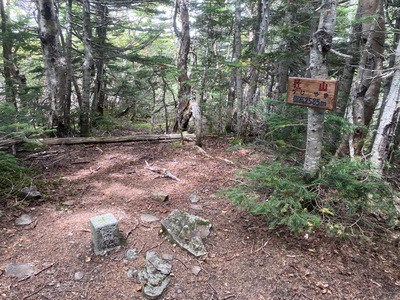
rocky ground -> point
(245, 260)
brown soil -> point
(245, 259)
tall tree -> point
(365, 89)
(99, 97)
(87, 71)
(386, 133)
(321, 44)
(250, 93)
(235, 90)
(11, 96)
(183, 110)
(54, 61)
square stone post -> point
(105, 233)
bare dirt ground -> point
(245, 260)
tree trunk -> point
(386, 132)
(235, 89)
(183, 111)
(99, 97)
(365, 89)
(11, 94)
(54, 61)
(68, 57)
(87, 71)
(321, 44)
(251, 87)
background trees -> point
(115, 64)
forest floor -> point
(245, 260)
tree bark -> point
(321, 44)
(54, 61)
(99, 97)
(68, 58)
(235, 89)
(365, 89)
(183, 111)
(11, 94)
(87, 71)
(388, 123)
(250, 89)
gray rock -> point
(167, 256)
(131, 273)
(194, 198)
(160, 196)
(155, 277)
(131, 254)
(196, 270)
(196, 207)
(78, 276)
(23, 220)
(146, 218)
(20, 270)
(159, 264)
(29, 193)
(69, 203)
(187, 230)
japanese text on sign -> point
(312, 92)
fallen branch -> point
(37, 273)
(162, 171)
(113, 139)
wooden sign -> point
(316, 93)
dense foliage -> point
(347, 198)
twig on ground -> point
(34, 293)
(162, 171)
(155, 246)
(37, 273)
(262, 247)
(228, 297)
(181, 262)
(215, 292)
(141, 249)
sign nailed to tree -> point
(317, 93)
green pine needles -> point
(12, 178)
(347, 198)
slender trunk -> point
(365, 89)
(321, 44)
(388, 123)
(164, 91)
(54, 61)
(250, 90)
(235, 89)
(87, 71)
(183, 112)
(11, 95)
(153, 106)
(68, 58)
(99, 97)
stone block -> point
(105, 234)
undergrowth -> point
(346, 199)
(13, 176)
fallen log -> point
(113, 139)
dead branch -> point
(162, 171)
(37, 273)
(111, 139)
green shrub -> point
(346, 196)
(13, 176)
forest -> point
(275, 119)
(106, 68)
